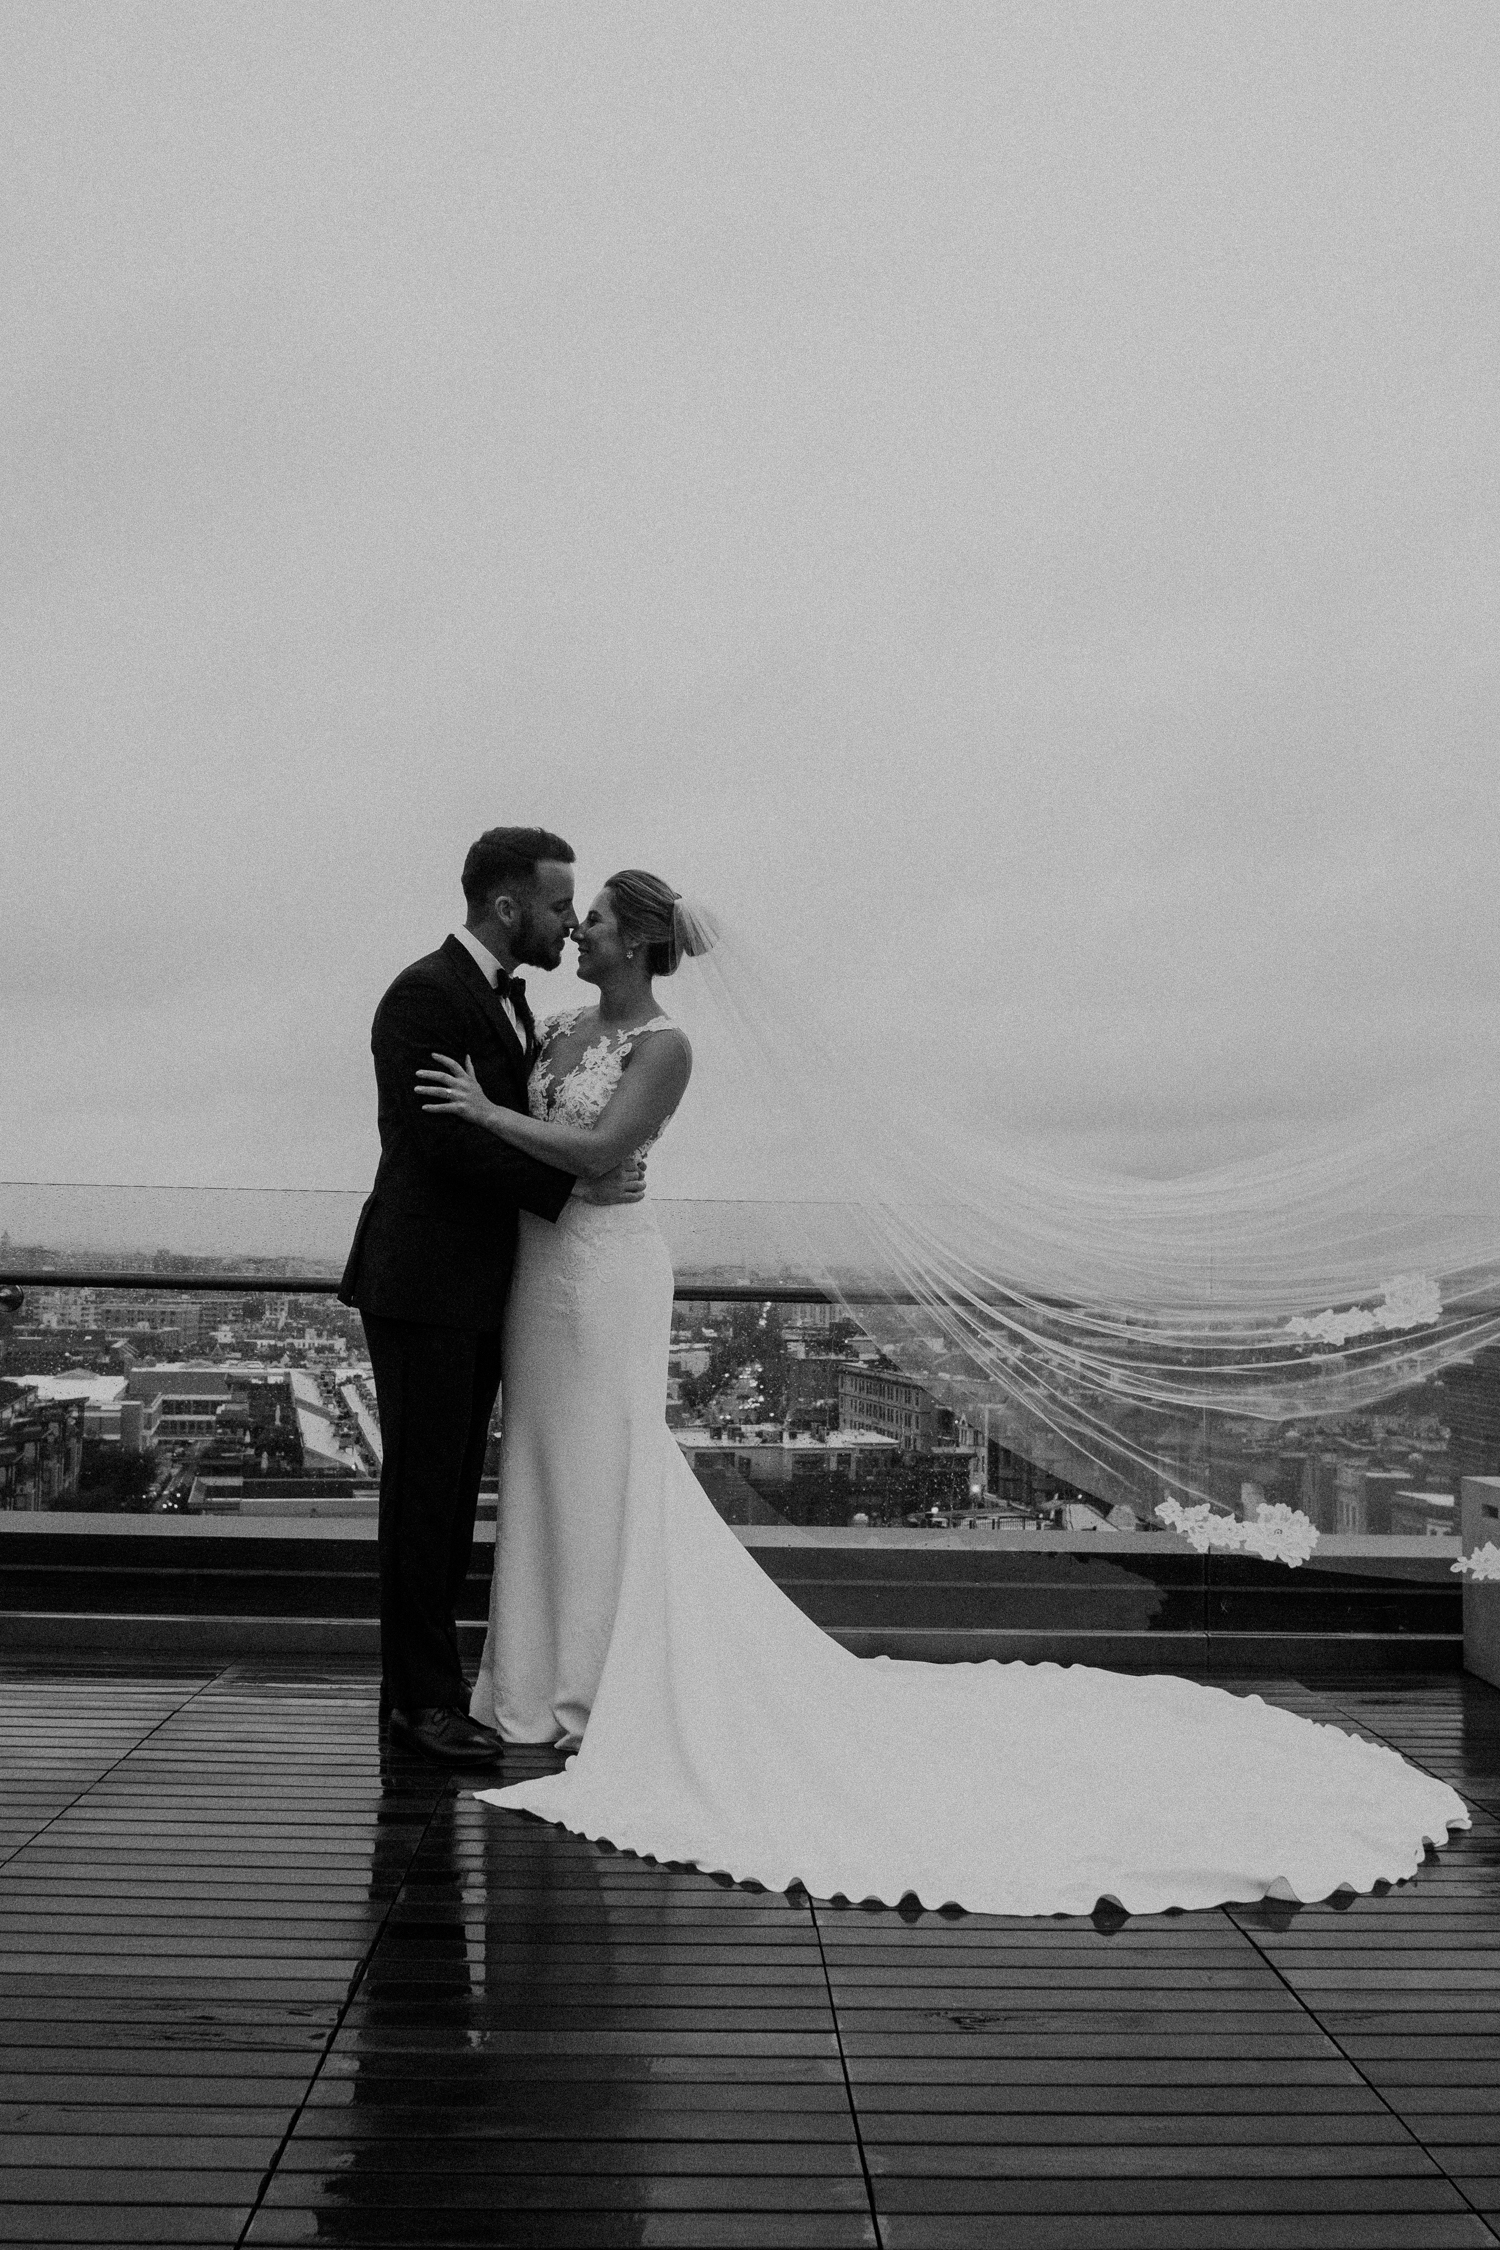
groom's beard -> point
(533, 950)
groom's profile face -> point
(547, 919)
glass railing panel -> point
(223, 1236)
(62, 1229)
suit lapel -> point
(476, 984)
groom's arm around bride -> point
(436, 1238)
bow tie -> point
(512, 989)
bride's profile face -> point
(600, 945)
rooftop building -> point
(886, 1403)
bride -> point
(707, 1720)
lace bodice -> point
(579, 1097)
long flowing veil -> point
(1097, 1321)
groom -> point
(431, 1262)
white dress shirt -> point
(492, 972)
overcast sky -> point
(1004, 498)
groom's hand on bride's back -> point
(625, 1184)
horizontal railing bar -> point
(242, 1283)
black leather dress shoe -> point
(450, 1737)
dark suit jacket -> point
(436, 1239)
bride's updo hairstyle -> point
(649, 913)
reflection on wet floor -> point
(263, 1984)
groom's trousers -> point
(436, 1390)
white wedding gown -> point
(720, 1727)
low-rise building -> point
(179, 1402)
(780, 1461)
(41, 1448)
(1021, 1485)
(885, 1403)
(124, 1312)
(109, 1413)
(267, 1498)
(324, 1445)
(1424, 1515)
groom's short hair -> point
(505, 856)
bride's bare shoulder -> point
(667, 1040)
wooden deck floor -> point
(257, 1989)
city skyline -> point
(802, 1411)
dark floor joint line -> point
(838, 2033)
(104, 1773)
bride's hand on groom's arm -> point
(454, 1088)
(645, 1098)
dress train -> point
(722, 1728)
